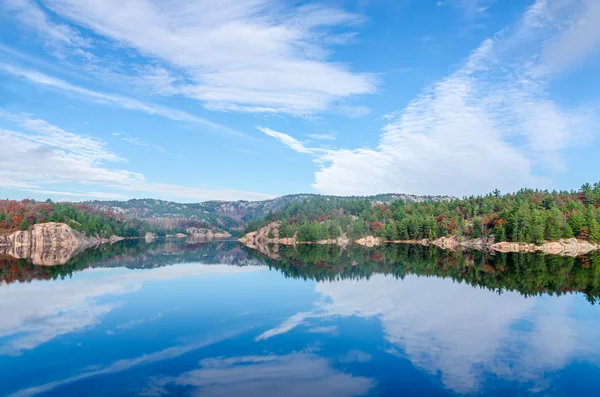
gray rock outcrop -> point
(48, 243)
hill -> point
(227, 215)
(528, 216)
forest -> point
(532, 216)
(20, 215)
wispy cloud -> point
(76, 194)
(112, 99)
(137, 141)
(473, 8)
(56, 36)
(580, 38)
(43, 155)
(287, 140)
(323, 137)
(51, 135)
(238, 55)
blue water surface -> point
(208, 328)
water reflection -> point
(77, 304)
(212, 320)
(295, 375)
(463, 334)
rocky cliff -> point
(201, 233)
(261, 237)
(269, 246)
(48, 243)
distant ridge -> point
(229, 215)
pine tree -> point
(577, 221)
(500, 233)
(568, 231)
(594, 229)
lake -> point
(217, 319)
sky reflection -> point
(219, 330)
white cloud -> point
(46, 155)
(287, 140)
(236, 55)
(489, 124)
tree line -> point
(531, 216)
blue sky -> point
(249, 99)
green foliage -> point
(24, 224)
(531, 216)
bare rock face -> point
(261, 236)
(259, 240)
(46, 243)
(199, 233)
(249, 239)
(369, 241)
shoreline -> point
(565, 247)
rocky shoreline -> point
(567, 247)
(49, 243)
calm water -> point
(215, 319)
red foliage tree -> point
(376, 227)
